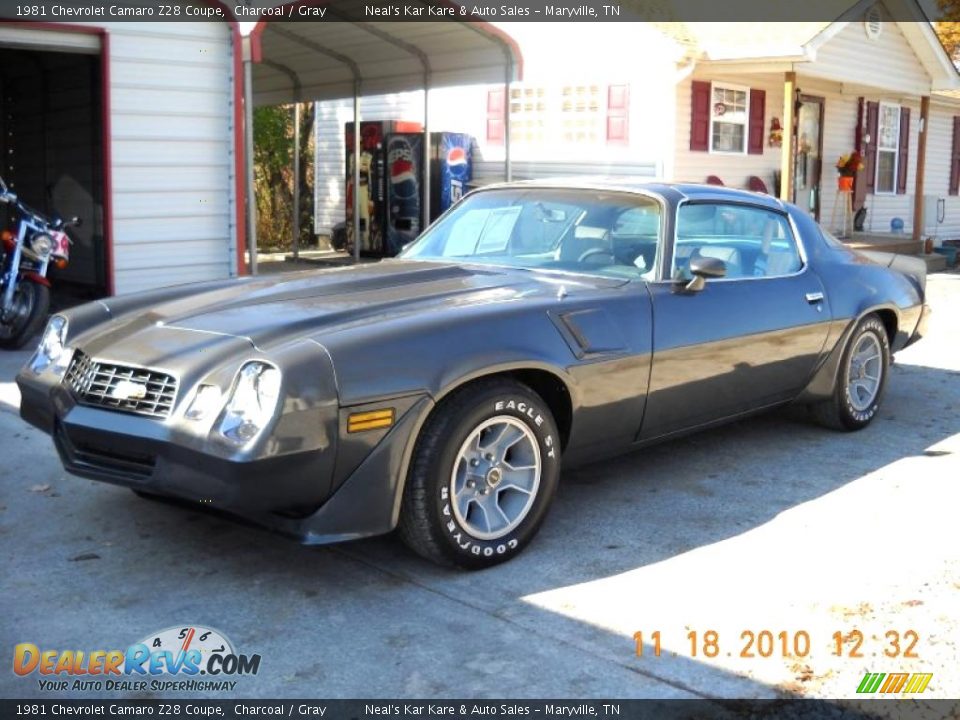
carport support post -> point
(356, 172)
(248, 132)
(296, 180)
(426, 152)
(508, 76)
(921, 169)
(786, 151)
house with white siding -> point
(766, 106)
(136, 128)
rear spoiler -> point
(913, 267)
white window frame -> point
(553, 118)
(746, 120)
(896, 150)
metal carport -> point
(343, 55)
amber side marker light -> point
(372, 420)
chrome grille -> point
(99, 384)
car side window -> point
(752, 242)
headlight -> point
(51, 353)
(252, 403)
(205, 403)
(41, 244)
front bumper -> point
(314, 495)
(152, 456)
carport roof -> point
(321, 60)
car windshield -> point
(597, 232)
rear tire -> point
(861, 379)
(31, 303)
(484, 471)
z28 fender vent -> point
(116, 387)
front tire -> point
(861, 380)
(31, 303)
(484, 471)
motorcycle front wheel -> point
(31, 303)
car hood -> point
(266, 310)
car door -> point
(743, 341)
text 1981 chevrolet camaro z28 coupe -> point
(436, 393)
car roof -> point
(674, 192)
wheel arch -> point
(824, 379)
(549, 384)
(890, 319)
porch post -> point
(921, 169)
(507, 164)
(248, 156)
(296, 180)
(786, 150)
(426, 152)
(356, 173)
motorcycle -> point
(25, 258)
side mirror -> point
(703, 268)
(707, 267)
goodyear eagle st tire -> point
(861, 380)
(484, 471)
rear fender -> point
(824, 380)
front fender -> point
(35, 277)
(606, 381)
(434, 356)
(368, 502)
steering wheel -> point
(590, 252)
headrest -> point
(585, 232)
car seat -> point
(585, 237)
(776, 262)
(729, 255)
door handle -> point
(814, 297)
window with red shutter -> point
(730, 112)
(496, 103)
(618, 114)
(756, 131)
(887, 149)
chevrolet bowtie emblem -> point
(127, 390)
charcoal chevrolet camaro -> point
(438, 393)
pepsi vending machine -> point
(377, 237)
(404, 187)
(451, 168)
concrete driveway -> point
(771, 524)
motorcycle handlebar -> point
(57, 223)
